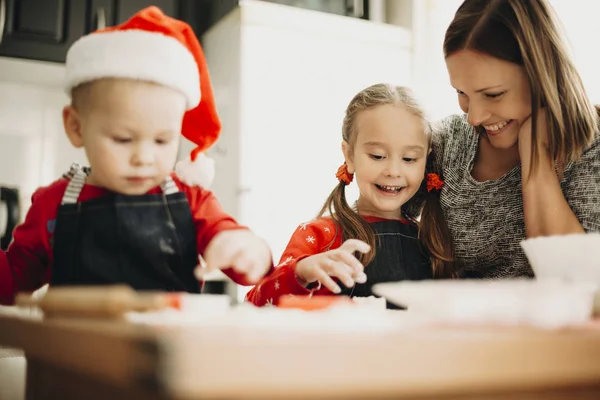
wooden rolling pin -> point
(98, 301)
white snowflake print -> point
(310, 239)
(284, 262)
(303, 226)
(276, 285)
(269, 303)
(326, 229)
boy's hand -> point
(340, 263)
(240, 250)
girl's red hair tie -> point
(343, 175)
(434, 182)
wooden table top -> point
(224, 362)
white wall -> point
(580, 21)
(223, 53)
(430, 80)
(34, 150)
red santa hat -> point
(154, 47)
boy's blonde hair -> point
(83, 95)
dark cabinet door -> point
(40, 29)
(350, 8)
(126, 8)
(113, 12)
(100, 14)
(45, 29)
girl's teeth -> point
(496, 126)
(390, 188)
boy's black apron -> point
(399, 257)
(146, 241)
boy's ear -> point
(72, 124)
(348, 156)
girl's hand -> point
(340, 263)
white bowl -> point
(547, 303)
(567, 258)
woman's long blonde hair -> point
(525, 32)
(433, 230)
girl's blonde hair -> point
(526, 33)
(433, 231)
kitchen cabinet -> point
(124, 9)
(40, 29)
(349, 8)
(45, 29)
(212, 11)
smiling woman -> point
(524, 159)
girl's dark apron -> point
(399, 257)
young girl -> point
(386, 145)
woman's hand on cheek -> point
(526, 141)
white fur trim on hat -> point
(134, 54)
(200, 172)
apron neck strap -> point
(77, 175)
(169, 186)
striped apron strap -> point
(77, 177)
(169, 186)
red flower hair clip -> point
(434, 182)
(343, 175)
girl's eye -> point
(460, 93)
(121, 139)
(376, 157)
(409, 159)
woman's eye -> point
(494, 95)
(460, 93)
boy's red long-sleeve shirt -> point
(26, 265)
(309, 239)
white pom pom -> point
(197, 173)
